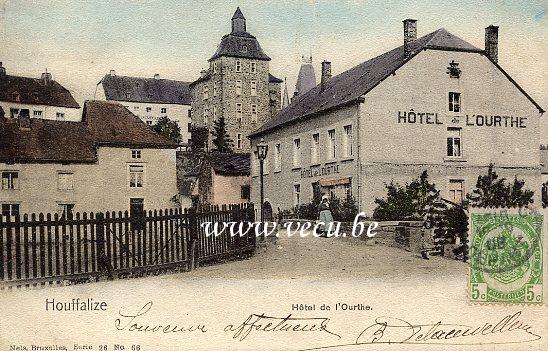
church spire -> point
(285, 100)
(238, 22)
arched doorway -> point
(268, 212)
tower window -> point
(238, 66)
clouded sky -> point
(80, 41)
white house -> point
(42, 98)
(109, 161)
(149, 98)
(436, 103)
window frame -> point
(277, 157)
(238, 66)
(239, 112)
(315, 149)
(253, 68)
(450, 146)
(454, 101)
(348, 141)
(254, 113)
(15, 183)
(297, 153)
(71, 180)
(331, 145)
(253, 88)
(131, 183)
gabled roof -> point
(349, 86)
(240, 44)
(103, 123)
(110, 123)
(152, 90)
(34, 91)
(230, 164)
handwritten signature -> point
(390, 330)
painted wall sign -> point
(319, 171)
(412, 117)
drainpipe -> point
(358, 157)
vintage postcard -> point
(273, 175)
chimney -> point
(24, 119)
(409, 35)
(2, 70)
(156, 76)
(492, 42)
(326, 73)
(112, 73)
(46, 77)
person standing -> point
(325, 216)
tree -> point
(417, 200)
(221, 141)
(168, 129)
(492, 191)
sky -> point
(80, 41)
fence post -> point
(103, 261)
(193, 236)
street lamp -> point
(262, 150)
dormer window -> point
(128, 95)
(15, 96)
(244, 48)
(35, 96)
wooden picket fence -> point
(39, 249)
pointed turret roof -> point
(306, 79)
(239, 43)
(238, 14)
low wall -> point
(407, 235)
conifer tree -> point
(221, 139)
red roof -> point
(103, 124)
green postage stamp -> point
(505, 256)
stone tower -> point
(237, 85)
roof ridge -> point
(435, 34)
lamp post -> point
(262, 150)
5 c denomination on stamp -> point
(505, 256)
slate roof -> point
(349, 86)
(103, 123)
(231, 164)
(165, 91)
(34, 91)
(232, 45)
(272, 79)
(306, 79)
